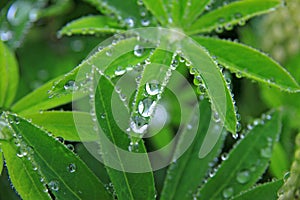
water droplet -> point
(189, 126)
(152, 88)
(33, 15)
(60, 139)
(242, 22)
(133, 147)
(216, 117)
(146, 107)
(145, 22)
(17, 12)
(120, 71)
(129, 22)
(138, 50)
(138, 124)
(71, 85)
(228, 26)
(219, 29)
(5, 35)
(54, 185)
(238, 127)
(197, 80)
(228, 192)
(286, 176)
(71, 147)
(224, 156)
(266, 152)
(109, 52)
(239, 74)
(72, 168)
(243, 176)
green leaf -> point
(58, 7)
(91, 25)
(122, 55)
(40, 99)
(246, 162)
(63, 124)
(9, 76)
(213, 79)
(261, 192)
(122, 9)
(232, 14)
(250, 63)
(181, 181)
(1, 162)
(63, 172)
(158, 9)
(192, 11)
(114, 146)
(279, 162)
(22, 175)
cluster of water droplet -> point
(228, 24)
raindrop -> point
(224, 156)
(138, 50)
(219, 29)
(33, 15)
(109, 52)
(54, 185)
(152, 88)
(72, 168)
(133, 146)
(228, 26)
(197, 80)
(146, 107)
(5, 35)
(103, 116)
(17, 12)
(120, 71)
(243, 177)
(138, 124)
(228, 192)
(238, 127)
(145, 22)
(286, 176)
(216, 117)
(71, 85)
(242, 22)
(129, 22)
(239, 75)
(71, 147)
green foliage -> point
(42, 138)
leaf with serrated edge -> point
(231, 15)
(217, 90)
(39, 100)
(114, 152)
(261, 192)
(26, 181)
(246, 162)
(250, 63)
(91, 25)
(53, 160)
(181, 181)
(62, 124)
(9, 76)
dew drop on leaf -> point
(71, 86)
(146, 107)
(138, 124)
(54, 185)
(138, 50)
(243, 176)
(129, 22)
(152, 88)
(72, 168)
(120, 71)
(227, 193)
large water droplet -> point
(129, 22)
(152, 88)
(138, 50)
(228, 192)
(17, 12)
(146, 107)
(138, 124)
(54, 185)
(243, 176)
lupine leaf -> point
(250, 63)
(246, 162)
(231, 14)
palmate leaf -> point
(249, 62)
(128, 185)
(261, 192)
(231, 14)
(91, 25)
(62, 124)
(10, 76)
(57, 166)
(246, 162)
(181, 181)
